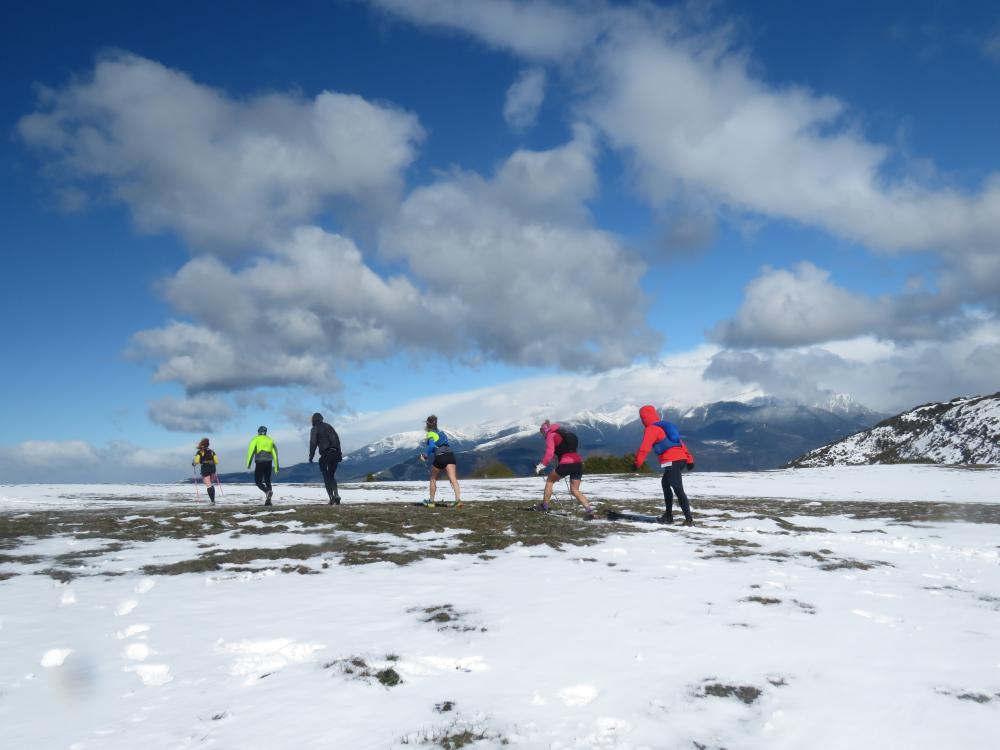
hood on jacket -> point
(550, 427)
(648, 415)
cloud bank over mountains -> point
(461, 266)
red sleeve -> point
(652, 435)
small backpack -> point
(569, 442)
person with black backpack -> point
(208, 461)
(325, 439)
(562, 444)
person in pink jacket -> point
(562, 444)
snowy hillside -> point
(960, 431)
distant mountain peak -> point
(965, 430)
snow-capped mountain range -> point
(751, 432)
(960, 431)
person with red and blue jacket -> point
(562, 444)
(663, 438)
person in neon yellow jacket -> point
(264, 453)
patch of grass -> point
(975, 697)
(21, 559)
(447, 617)
(842, 563)
(388, 677)
(789, 526)
(486, 529)
(357, 668)
(765, 600)
(745, 693)
(453, 737)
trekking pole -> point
(194, 478)
(218, 482)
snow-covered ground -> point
(869, 483)
(785, 623)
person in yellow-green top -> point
(264, 453)
(208, 460)
(437, 449)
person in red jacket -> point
(562, 444)
(663, 438)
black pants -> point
(262, 475)
(673, 482)
(328, 463)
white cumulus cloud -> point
(194, 414)
(793, 308)
(220, 171)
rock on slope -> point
(960, 431)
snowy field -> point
(818, 608)
(870, 483)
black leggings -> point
(262, 476)
(328, 463)
(673, 482)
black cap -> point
(317, 418)
(262, 430)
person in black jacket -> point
(325, 439)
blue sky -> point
(700, 182)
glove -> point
(540, 468)
(690, 465)
(423, 457)
(310, 459)
(635, 466)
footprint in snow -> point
(131, 630)
(137, 651)
(879, 619)
(68, 598)
(125, 607)
(151, 674)
(577, 695)
(144, 585)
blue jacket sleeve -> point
(431, 445)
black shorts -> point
(207, 470)
(573, 471)
(444, 459)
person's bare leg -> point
(453, 478)
(207, 481)
(574, 490)
(550, 483)
(434, 482)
